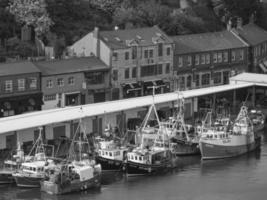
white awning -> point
(45, 117)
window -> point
(33, 83)
(151, 70)
(180, 61)
(126, 73)
(115, 75)
(203, 59)
(127, 55)
(207, 58)
(151, 53)
(189, 60)
(134, 52)
(233, 55)
(160, 49)
(49, 83)
(168, 51)
(94, 78)
(71, 80)
(225, 56)
(197, 60)
(115, 56)
(219, 57)
(215, 57)
(167, 69)
(8, 86)
(21, 84)
(134, 72)
(189, 80)
(50, 97)
(217, 77)
(60, 82)
(197, 79)
(205, 79)
(241, 56)
(159, 71)
(145, 53)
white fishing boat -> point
(11, 165)
(31, 171)
(229, 140)
(79, 172)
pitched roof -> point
(252, 34)
(71, 65)
(14, 68)
(117, 39)
(206, 42)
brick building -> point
(256, 38)
(207, 59)
(74, 81)
(20, 88)
(138, 58)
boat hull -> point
(137, 169)
(6, 178)
(73, 186)
(109, 164)
(213, 151)
(186, 149)
(27, 181)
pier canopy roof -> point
(45, 117)
(258, 79)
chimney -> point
(96, 32)
(252, 18)
(229, 25)
(96, 50)
(239, 23)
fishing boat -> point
(31, 171)
(229, 140)
(10, 166)
(184, 138)
(258, 119)
(79, 172)
(153, 154)
(149, 160)
(111, 155)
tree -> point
(32, 13)
(8, 24)
(108, 6)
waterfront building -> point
(74, 81)
(208, 59)
(20, 88)
(20, 92)
(139, 59)
(256, 38)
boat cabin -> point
(148, 157)
(114, 154)
(33, 167)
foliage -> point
(32, 13)
(75, 18)
(8, 25)
(107, 6)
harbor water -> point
(244, 177)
